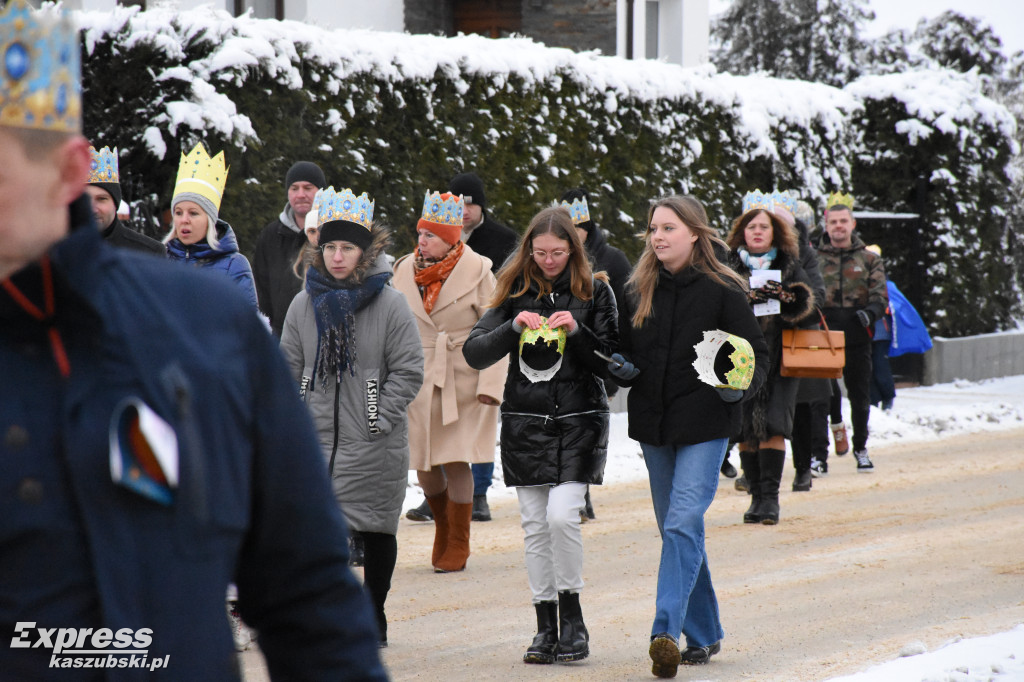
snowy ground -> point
(919, 414)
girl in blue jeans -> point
(678, 291)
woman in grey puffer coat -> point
(352, 345)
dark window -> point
(261, 9)
(494, 18)
(134, 3)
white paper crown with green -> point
(742, 357)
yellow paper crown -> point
(839, 199)
(202, 175)
(40, 72)
(104, 166)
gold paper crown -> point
(202, 175)
(758, 200)
(103, 167)
(40, 77)
(839, 199)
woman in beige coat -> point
(453, 420)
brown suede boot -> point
(457, 550)
(439, 506)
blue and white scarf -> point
(762, 262)
(335, 303)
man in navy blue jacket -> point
(153, 448)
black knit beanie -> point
(305, 171)
(470, 186)
(111, 188)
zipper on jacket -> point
(547, 417)
(334, 447)
(842, 281)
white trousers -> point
(554, 543)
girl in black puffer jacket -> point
(552, 314)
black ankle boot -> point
(573, 640)
(771, 461)
(545, 644)
(752, 473)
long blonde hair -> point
(521, 267)
(644, 279)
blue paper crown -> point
(344, 205)
(442, 211)
(40, 78)
(578, 209)
(785, 199)
(757, 200)
(104, 166)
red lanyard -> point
(59, 354)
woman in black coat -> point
(759, 240)
(678, 291)
(552, 314)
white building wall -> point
(379, 15)
(683, 28)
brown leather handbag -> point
(813, 353)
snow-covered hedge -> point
(932, 132)
(396, 115)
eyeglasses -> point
(555, 255)
(330, 249)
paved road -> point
(925, 549)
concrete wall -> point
(986, 356)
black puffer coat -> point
(770, 412)
(553, 431)
(609, 259)
(668, 404)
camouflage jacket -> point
(854, 280)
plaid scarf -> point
(431, 274)
(335, 303)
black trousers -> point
(857, 377)
(379, 558)
(810, 434)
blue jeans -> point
(482, 475)
(684, 479)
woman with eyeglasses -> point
(454, 418)
(352, 346)
(556, 320)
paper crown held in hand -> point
(742, 358)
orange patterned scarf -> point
(430, 275)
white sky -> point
(1005, 16)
